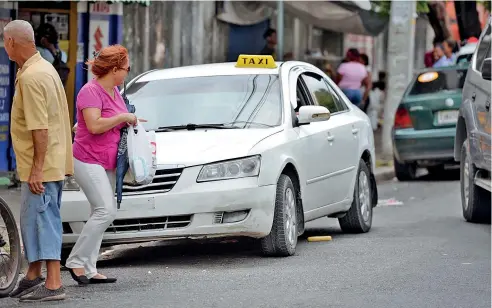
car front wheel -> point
(282, 240)
(359, 217)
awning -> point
(339, 16)
(141, 2)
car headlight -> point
(70, 184)
(231, 169)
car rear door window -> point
(320, 92)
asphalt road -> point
(418, 254)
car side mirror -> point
(309, 114)
(486, 68)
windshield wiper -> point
(192, 126)
(247, 123)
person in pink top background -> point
(351, 76)
(101, 113)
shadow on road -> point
(446, 175)
(203, 252)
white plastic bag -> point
(141, 154)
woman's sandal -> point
(81, 280)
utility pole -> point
(400, 64)
(280, 30)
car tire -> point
(359, 217)
(475, 200)
(405, 172)
(282, 240)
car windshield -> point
(439, 81)
(239, 101)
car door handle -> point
(487, 105)
(474, 95)
(355, 131)
(330, 137)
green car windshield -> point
(431, 82)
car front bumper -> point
(411, 145)
(196, 210)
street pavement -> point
(420, 253)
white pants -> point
(98, 186)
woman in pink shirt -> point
(101, 113)
(351, 76)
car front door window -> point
(320, 92)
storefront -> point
(83, 27)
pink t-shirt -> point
(100, 149)
(352, 75)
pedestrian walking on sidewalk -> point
(101, 114)
(351, 76)
(270, 37)
(42, 140)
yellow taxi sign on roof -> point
(255, 61)
(428, 77)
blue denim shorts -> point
(355, 96)
(40, 222)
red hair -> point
(107, 59)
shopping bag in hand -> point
(141, 154)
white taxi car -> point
(255, 148)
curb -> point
(385, 174)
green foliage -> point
(384, 7)
(486, 4)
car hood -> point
(201, 146)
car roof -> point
(215, 69)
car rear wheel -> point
(475, 200)
(282, 240)
(405, 172)
(359, 218)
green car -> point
(425, 121)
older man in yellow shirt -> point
(41, 136)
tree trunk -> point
(437, 20)
(467, 18)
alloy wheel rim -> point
(466, 181)
(364, 196)
(290, 216)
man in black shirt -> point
(270, 37)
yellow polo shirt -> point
(40, 103)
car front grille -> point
(149, 224)
(164, 181)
